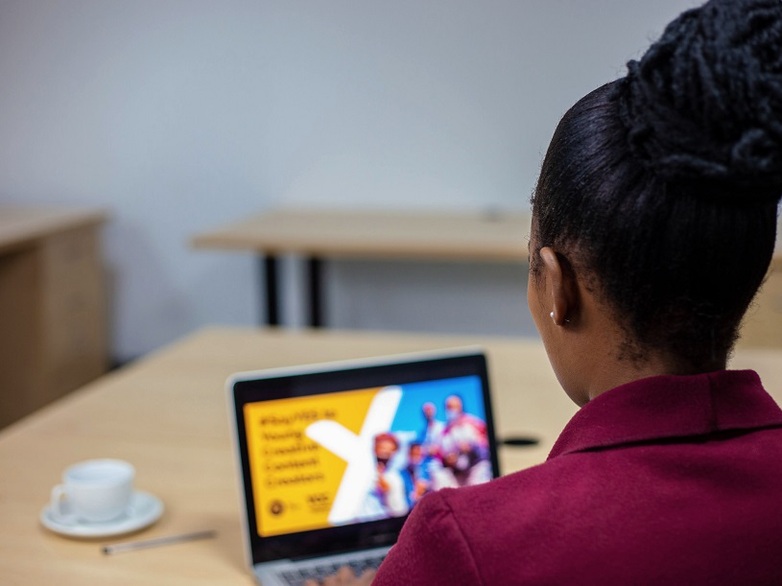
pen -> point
(134, 545)
(518, 441)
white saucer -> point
(144, 509)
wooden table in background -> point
(466, 237)
(168, 415)
(53, 323)
(319, 234)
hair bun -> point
(705, 101)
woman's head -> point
(661, 189)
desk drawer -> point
(73, 310)
(70, 257)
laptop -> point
(333, 457)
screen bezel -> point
(337, 377)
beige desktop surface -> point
(167, 414)
(22, 225)
(487, 236)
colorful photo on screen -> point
(361, 455)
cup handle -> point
(56, 506)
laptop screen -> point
(336, 456)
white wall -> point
(180, 115)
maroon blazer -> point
(666, 480)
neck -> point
(622, 370)
(604, 359)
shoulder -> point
(462, 536)
(431, 548)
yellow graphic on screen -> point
(298, 456)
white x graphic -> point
(357, 451)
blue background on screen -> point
(409, 417)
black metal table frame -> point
(270, 287)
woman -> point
(654, 223)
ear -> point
(562, 286)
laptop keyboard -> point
(298, 576)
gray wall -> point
(179, 115)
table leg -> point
(315, 270)
(269, 276)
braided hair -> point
(662, 187)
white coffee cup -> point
(93, 491)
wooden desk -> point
(53, 324)
(168, 415)
(315, 234)
(487, 237)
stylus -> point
(134, 545)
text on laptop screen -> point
(361, 455)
